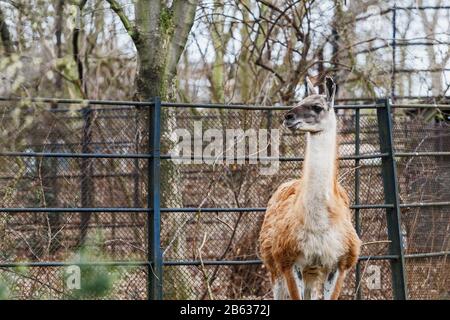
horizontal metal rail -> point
(427, 255)
(73, 176)
(421, 8)
(201, 105)
(416, 97)
(397, 97)
(422, 154)
(217, 105)
(255, 107)
(170, 157)
(71, 263)
(262, 209)
(31, 227)
(117, 144)
(165, 263)
(257, 262)
(79, 101)
(99, 110)
(212, 210)
(69, 210)
(211, 262)
(247, 158)
(143, 263)
(173, 104)
(222, 158)
(421, 106)
(75, 155)
(351, 157)
(194, 262)
(424, 204)
(173, 210)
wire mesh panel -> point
(425, 180)
(233, 236)
(65, 169)
(80, 196)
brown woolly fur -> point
(279, 244)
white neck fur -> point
(319, 174)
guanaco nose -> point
(289, 116)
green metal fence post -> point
(153, 196)
(391, 196)
(357, 202)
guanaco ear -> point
(330, 89)
(311, 88)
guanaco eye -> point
(317, 109)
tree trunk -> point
(160, 34)
(160, 37)
(5, 35)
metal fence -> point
(90, 174)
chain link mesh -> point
(101, 182)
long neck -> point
(319, 174)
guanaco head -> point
(314, 113)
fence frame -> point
(392, 204)
(391, 196)
(155, 262)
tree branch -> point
(76, 48)
(183, 17)
(127, 24)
